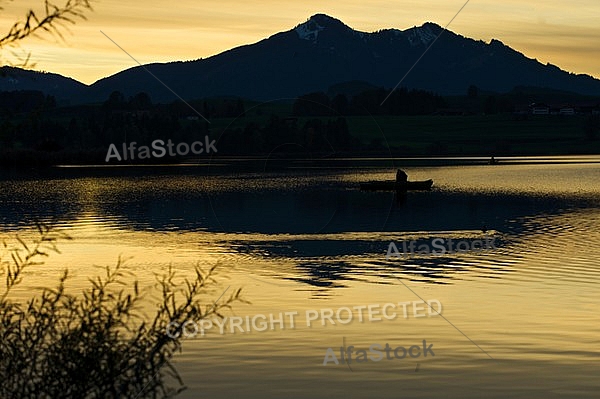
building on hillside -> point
(539, 109)
(566, 110)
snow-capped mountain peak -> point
(422, 35)
(309, 30)
(318, 23)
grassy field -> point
(477, 134)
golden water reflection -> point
(531, 303)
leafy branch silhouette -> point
(98, 344)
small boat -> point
(393, 185)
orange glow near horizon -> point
(565, 35)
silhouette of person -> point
(401, 176)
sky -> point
(566, 34)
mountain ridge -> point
(323, 51)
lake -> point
(519, 319)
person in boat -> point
(401, 177)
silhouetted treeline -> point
(399, 102)
(216, 108)
(118, 120)
(136, 119)
(34, 130)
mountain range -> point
(317, 54)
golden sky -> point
(563, 33)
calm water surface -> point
(521, 319)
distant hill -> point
(324, 53)
(62, 88)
